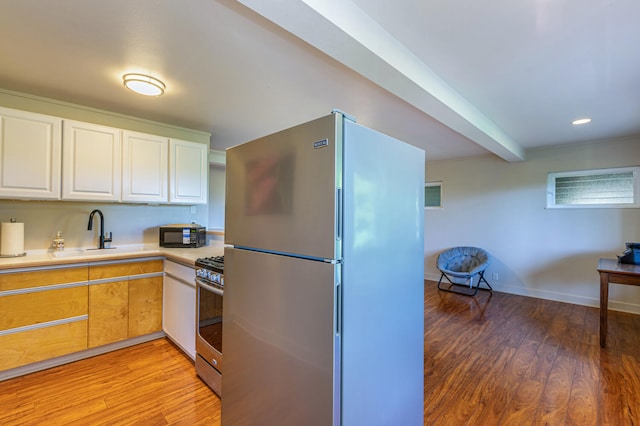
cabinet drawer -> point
(19, 310)
(102, 271)
(29, 346)
(44, 277)
(182, 272)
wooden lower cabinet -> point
(108, 313)
(51, 312)
(145, 306)
(20, 310)
(124, 269)
(43, 314)
(42, 277)
(128, 305)
(25, 347)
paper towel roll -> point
(12, 239)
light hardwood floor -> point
(148, 384)
(494, 359)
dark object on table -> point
(631, 254)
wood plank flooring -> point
(497, 359)
(502, 359)
(148, 384)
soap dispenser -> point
(58, 242)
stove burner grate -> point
(214, 262)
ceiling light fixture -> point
(581, 121)
(143, 84)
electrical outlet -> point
(193, 209)
(495, 276)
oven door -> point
(209, 323)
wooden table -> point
(618, 273)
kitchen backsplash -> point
(129, 223)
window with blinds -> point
(594, 188)
(433, 195)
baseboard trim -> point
(179, 346)
(614, 305)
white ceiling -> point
(457, 78)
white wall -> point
(216, 196)
(546, 253)
(129, 223)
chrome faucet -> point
(103, 238)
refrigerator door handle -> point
(338, 214)
(338, 310)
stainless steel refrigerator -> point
(323, 310)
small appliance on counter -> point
(183, 235)
(631, 254)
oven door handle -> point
(209, 287)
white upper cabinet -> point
(188, 172)
(144, 168)
(52, 158)
(30, 149)
(91, 162)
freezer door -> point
(279, 341)
(281, 190)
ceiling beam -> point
(343, 31)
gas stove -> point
(211, 270)
(209, 292)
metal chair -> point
(459, 265)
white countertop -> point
(38, 258)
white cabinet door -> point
(30, 150)
(92, 161)
(144, 168)
(179, 313)
(188, 172)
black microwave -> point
(181, 235)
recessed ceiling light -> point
(581, 121)
(143, 84)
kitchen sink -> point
(90, 252)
